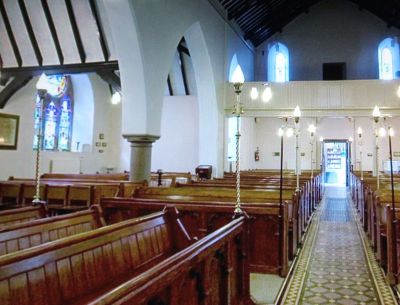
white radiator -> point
(65, 166)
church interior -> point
(199, 152)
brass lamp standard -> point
(376, 114)
(391, 274)
(311, 130)
(42, 87)
(238, 80)
(297, 115)
(359, 132)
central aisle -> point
(333, 267)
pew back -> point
(211, 271)
(16, 216)
(75, 269)
(29, 234)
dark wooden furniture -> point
(21, 215)
(212, 271)
(36, 232)
(80, 268)
(268, 224)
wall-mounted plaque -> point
(8, 131)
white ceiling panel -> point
(106, 29)
(62, 23)
(88, 31)
(20, 33)
(42, 32)
(6, 50)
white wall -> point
(332, 31)
(264, 135)
(178, 147)
(145, 54)
(21, 162)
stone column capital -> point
(140, 138)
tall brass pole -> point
(394, 221)
(238, 112)
(36, 199)
(281, 172)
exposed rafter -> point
(111, 78)
(31, 33)
(75, 30)
(182, 65)
(171, 92)
(261, 19)
(57, 69)
(53, 31)
(103, 43)
(12, 87)
(10, 34)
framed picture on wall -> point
(9, 125)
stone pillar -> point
(140, 156)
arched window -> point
(56, 113)
(388, 57)
(278, 63)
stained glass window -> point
(56, 114)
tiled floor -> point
(336, 270)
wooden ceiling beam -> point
(103, 44)
(171, 92)
(75, 30)
(182, 65)
(10, 34)
(31, 33)
(16, 84)
(61, 69)
(111, 78)
(183, 49)
(53, 31)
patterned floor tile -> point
(334, 266)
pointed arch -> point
(278, 63)
(210, 118)
(388, 58)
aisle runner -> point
(332, 267)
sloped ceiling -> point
(261, 19)
(53, 32)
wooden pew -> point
(168, 179)
(9, 194)
(211, 271)
(20, 191)
(80, 268)
(268, 224)
(32, 233)
(80, 177)
(296, 212)
(21, 215)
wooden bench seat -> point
(111, 176)
(78, 268)
(211, 271)
(21, 215)
(268, 224)
(296, 212)
(9, 194)
(32, 233)
(63, 195)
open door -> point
(336, 162)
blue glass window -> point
(278, 63)
(388, 57)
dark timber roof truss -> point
(261, 19)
